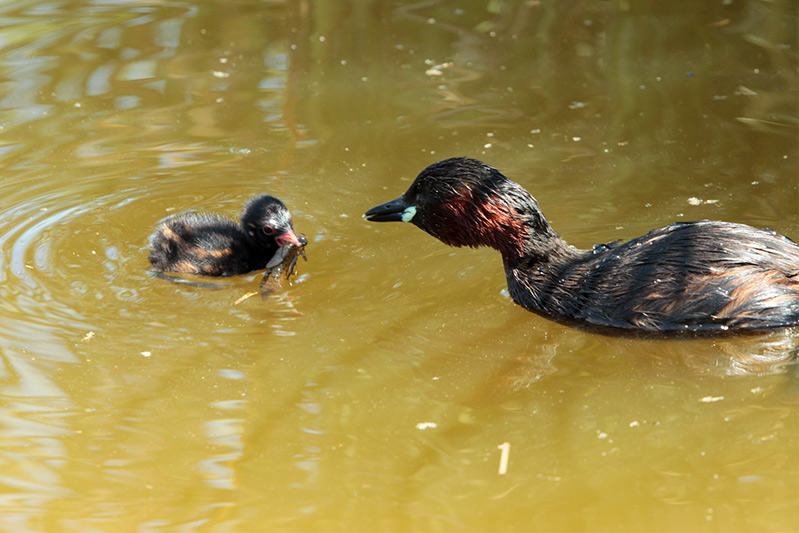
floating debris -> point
(503, 458)
(438, 70)
(709, 399)
(248, 295)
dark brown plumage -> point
(703, 276)
(210, 245)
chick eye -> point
(269, 230)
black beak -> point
(392, 211)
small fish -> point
(282, 264)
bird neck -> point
(526, 236)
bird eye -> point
(269, 230)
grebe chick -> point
(211, 245)
(703, 276)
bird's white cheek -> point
(408, 213)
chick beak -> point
(290, 237)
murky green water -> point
(374, 393)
